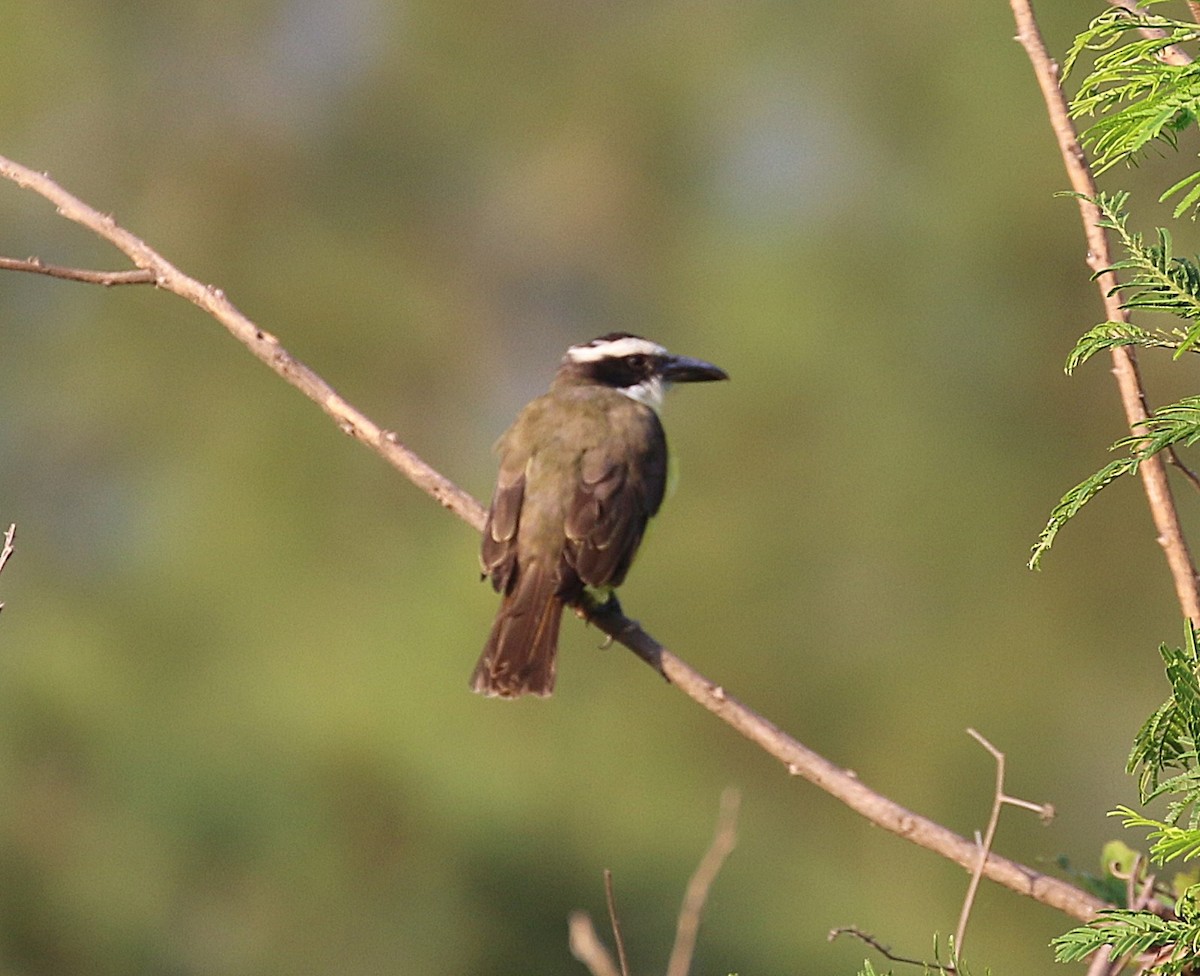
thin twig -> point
(985, 845)
(586, 946)
(880, 947)
(723, 842)
(1099, 257)
(87, 275)
(6, 550)
(1175, 462)
(591, 952)
(797, 758)
(999, 799)
(611, 901)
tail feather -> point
(519, 656)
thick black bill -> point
(684, 369)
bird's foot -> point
(605, 614)
(611, 608)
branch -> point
(883, 950)
(6, 550)
(587, 948)
(611, 900)
(261, 344)
(1171, 53)
(844, 784)
(723, 842)
(999, 799)
(35, 266)
(1174, 460)
(798, 759)
(1102, 965)
(1099, 258)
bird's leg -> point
(606, 613)
(597, 605)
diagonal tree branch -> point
(797, 758)
(261, 344)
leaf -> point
(1075, 499)
(1129, 933)
(1110, 335)
(1136, 96)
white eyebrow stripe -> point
(614, 349)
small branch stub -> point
(139, 276)
(7, 549)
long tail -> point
(519, 656)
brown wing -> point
(498, 554)
(613, 501)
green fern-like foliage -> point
(1176, 423)
(1075, 499)
(1129, 933)
(1164, 757)
(1110, 335)
(1138, 98)
(1156, 279)
(1168, 842)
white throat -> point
(649, 392)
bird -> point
(583, 468)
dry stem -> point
(586, 946)
(874, 943)
(610, 899)
(6, 550)
(723, 842)
(999, 799)
(589, 950)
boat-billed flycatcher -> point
(581, 471)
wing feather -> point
(498, 554)
(613, 501)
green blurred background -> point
(235, 733)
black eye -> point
(637, 362)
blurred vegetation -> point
(235, 735)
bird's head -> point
(641, 369)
